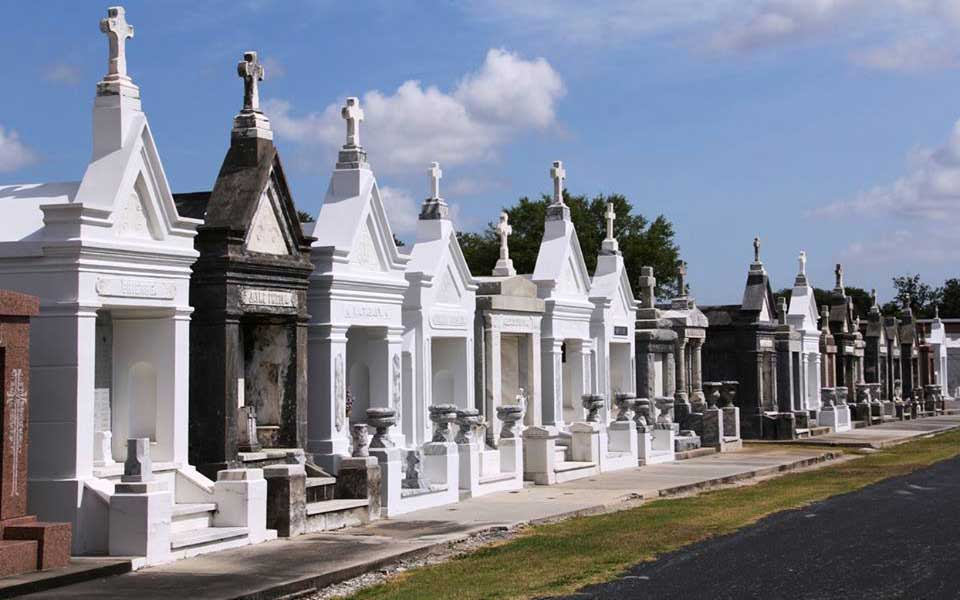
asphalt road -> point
(899, 538)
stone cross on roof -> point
(936, 311)
(353, 115)
(824, 319)
(838, 271)
(648, 287)
(251, 71)
(611, 216)
(435, 175)
(118, 32)
(558, 174)
(756, 249)
(504, 230)
(782, 310)
(803, 262)
(682, 278)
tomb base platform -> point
(488, 470)
(440, 479)
(547, 463)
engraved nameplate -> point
(766, 344)
(448, 319)
(136, 288)
(620, 330)
(517, 323)
(258, 297)
(365, 311)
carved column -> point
(680, 348)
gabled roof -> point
(612, 283)
(560, 270)
(758, 297)
(437, 255)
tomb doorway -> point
(448, 362)
(621, 369)
(367, 358)
(270, 378)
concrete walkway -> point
(886, 434)
(287, 567)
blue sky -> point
(822, 125)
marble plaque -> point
(261, 297)
(124, 287)
(448, 319)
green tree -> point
(642, 242)
(923, 297)
(862, 301)
(304, 216)
(950, 301)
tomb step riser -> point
(321, 493)
(191, 523)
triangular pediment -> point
(266, 234)
(135, 217)
(766, 311)
(560, 266)
(367, 252)
(449, 289)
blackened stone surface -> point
(901, 550)
(286, 499)
(360, 478)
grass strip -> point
(559, 558)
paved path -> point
(281, 567)
(886, 434)
(895, 539)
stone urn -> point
(828, 397)
(360, 434)
(642, 416)
(625, 404)
(381, 419)
(842, 394)
(728, 393)
(711, 393)
(664, 406)
(863, 394)
(467, 419)
(442, 416)
(592, 403)
(875, 393)
(510, 415)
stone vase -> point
(381, 419)
(360, 434)
(711, 392)
(592, 403)
(442, 416)
(728, 393)
(625, 404)
(510, 415)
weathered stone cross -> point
(435, 175)
(839, 273)
(558, 174)
(803, 262)
(756, 249)
(353, 114)
(682, 278)
(251, 71)
(873, 296)
(504, 230)
(118, 32)
(611, 216)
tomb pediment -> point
(266, 234)
(560, 260)
(367, 253)
(135, 217)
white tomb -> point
(937, 340)
(438, 312)
(356, 338)
(563, 282)
(803, 315)
(110, 259)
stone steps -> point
(191, 517)
(495, 478)
(330, 506)
(206, 536)
(688, 454)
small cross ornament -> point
(611, 216)
(558, 174)
(118, 32)
(803, 262)
(435, 175)
(756, 249)
(682, 278)
(504, 230)
(353, 115)
(838, 271)
(251, 71)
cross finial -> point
(504, 230)
(936, 311)
(251, 71)
(873, 296)
(611, 216)
(682, 278)
(906, 301)
(558, 174)
(803, 262)
(756, 249)
(783, 310)
(838, 271)
(118, 32)
(435, 175)
(353, 115)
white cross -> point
(682, 277)
(839, 273)
(435, 176)
(504, 230)
(118, 31)
(611, 216)
(558, 174)
(353, 114)
(252, 73)
(803, 262)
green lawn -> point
(562, 557)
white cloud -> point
(929, 190)
(62, 73)
(402, 210)
(908, 55)
(14, 154)
(905, 249)
(775, 22)
(414, 125)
